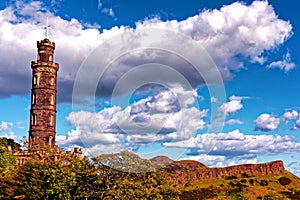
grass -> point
(275, 186)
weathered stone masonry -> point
(43, 96)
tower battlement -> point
(46, 42)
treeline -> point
(111, 176)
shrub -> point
(284, 181)
(264, 183)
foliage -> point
(5, 142)
(53, 174)
(202, 193)
(284, 180)
(44, 180)
(7, 158)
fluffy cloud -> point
(6, 130)
(235, 147)
(297, 125)
(208, 160)
(231, 35)
(234, 121)
(159, 118)
(22, 25)
(290, 115)
(232, 106)
(293, 167)
(5, 126)
(220, 161)
(266, 122)
(285, 64)
(234, 31)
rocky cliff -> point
(188, 171)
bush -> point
(284, 181)
(251, 181)
(264, 183)
(243, 181)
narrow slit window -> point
(50, 140)
(52, 99)
(51, 120)
(52, 81)
(33, 119)
(33, 98)
(35, 80)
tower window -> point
(44, 57)
(52, 81)
(33, 119)
(33, 98)
(51, 120)
(52, 99)
(35, 80)
(50, 140)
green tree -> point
(6, 157)
(40, 179)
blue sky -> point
(221, 87)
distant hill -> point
(248, 181)
(161, 161)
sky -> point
(213, 81)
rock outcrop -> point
(188, 171)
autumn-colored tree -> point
(7, 165)
(145, 186)
(6, 156)
(53, 174)
(50, 180)
(126, 175)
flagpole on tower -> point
(46, 29)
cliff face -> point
(246, 170)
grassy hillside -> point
(274, 186)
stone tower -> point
(43, 96)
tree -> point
(7, 158)
(48, 179)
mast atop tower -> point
(46, 29)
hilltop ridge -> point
(246, 181)
(189, 170)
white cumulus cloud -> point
(266, 122)
(157, 118)
(234, 121)
(290, 115)
(232, 106)
(231, 35)
(285, 64)
(5, 126)
(235, 147)
(297, 125)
